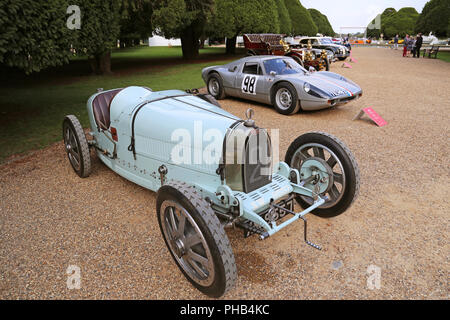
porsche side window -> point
(250, 68)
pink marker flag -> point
(346, 65)
(353, 59)
(375, 117)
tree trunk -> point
(231, 45)
(190, 43)
(101, 63)
(202, 41)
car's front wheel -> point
(196, 239)
(215, 86)
(285, 98)
(335, 168)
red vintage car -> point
(273, 44)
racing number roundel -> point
(249, 84)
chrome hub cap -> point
(187, 243)
(213, 87)
(314, 158)
(283, 98)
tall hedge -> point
(394, 22)
(321, 21)
(403, 22)
(435, 17)
(34, 34)
(302, 22)
(284, 19)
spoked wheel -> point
(196, 239)
(330, 168)
(76, 146)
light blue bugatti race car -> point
(210, 170)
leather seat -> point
(101, 106)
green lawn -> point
(444, 56)
(32, 107)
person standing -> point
(396, 42)
(419, 42)
(405, 45)
(413, 46)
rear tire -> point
(195, 239)
(215, 86)
(76, 146)
(339, 159)
(285, 98)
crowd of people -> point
(411, 45)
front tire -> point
(76, 145)
(285, 98)
(215, 86)
(338, 161)
(196, 239)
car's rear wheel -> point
(285, 98)
(334, 160)
(76, 145)
(196, 239)
(215, 86)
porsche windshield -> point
(283, 66)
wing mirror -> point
(273, 73)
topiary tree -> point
(284, 19)
(233, 17)
(321, 21)
(34, 34)
(376, 32)
(135, 21)
(302, 22)
(435, 17)
(100, 27)
(401, 23)
(185, 19)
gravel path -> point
(50, 218)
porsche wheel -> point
(215, 86)
(76, 146)
(336, 165)
(285, 99)
(196, 239)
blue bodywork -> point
(156, 116)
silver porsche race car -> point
(281, 82)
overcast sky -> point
(357, 13)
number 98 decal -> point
(249, 84)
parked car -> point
(136, 133)
(340, 51)
(281, 82)
(273, 44)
